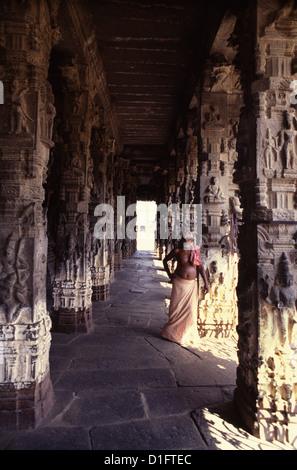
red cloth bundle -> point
(195, 255)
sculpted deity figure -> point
(282, 294)
(213, 115)
(8, 274)
(287, 141)
(14, 272)
(216, 280)
(72, 258)
(235, 205)
(18, 113)
(270, 151)
(213, 192)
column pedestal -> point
(100, 282)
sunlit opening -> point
(146, 225)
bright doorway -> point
(146, 225)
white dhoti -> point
(183, 310)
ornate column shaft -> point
(72, 286)
(266, 377)
(25, 138)
(100, 266)
(221, 99)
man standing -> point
(182, 325)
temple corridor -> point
(107, 105)
(123, 387)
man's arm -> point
(203, 275)
(167, 258)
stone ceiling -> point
(152, 53)
(148, 49)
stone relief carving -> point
(282, 292)
(213, 119)
(13, 279)
(213, 192)
(72, 258)
(217, 310)
(270, 150)
(235, 206)
(224, 78)
(231, 146)
(277, 376)
(287, 141)
(19, 118)
(192, 153)
(47, 112)
(220, 100)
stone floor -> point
(122, 387)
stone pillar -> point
(121, 165)
(25, 138)
(179, 187)
(118, 260)
(221, 100)
(180, 173)
(100, 266)
(191, 159)
(129, 191)
(110, 199)
(72, 287)
(266, 377)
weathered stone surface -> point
(51, 438)
(167, 433)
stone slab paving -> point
(122, 387)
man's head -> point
(187, 241)
(189, 237)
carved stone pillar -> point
(110, 199)
(191, 170)
(121, 165)
(180, 173)
(129, 187)
(266, 377)
(25, 138)
(100, 194)
(118, 260)
(221, 100)
(72, 286)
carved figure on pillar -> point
(213, 119)
(213, 191)
(8, 277)
(71, 259)
(18, 112)
(270, 150)
(287, 141)
(13, 276)
(282, 294)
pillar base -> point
(118, 261)
(100, 282)
(70, 321)
(246, 410)
(25, 408)
(100, 292)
